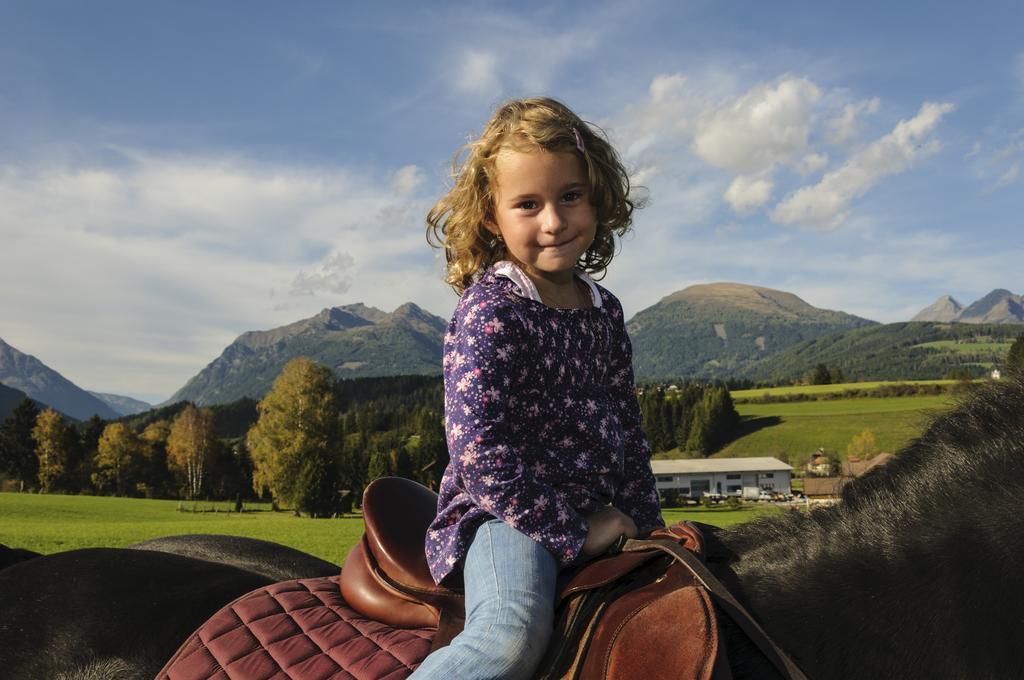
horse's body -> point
(273, 560)
(917, 573)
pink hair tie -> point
(579, 140)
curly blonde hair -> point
(456, 222)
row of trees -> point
(41, 449)
(308, 438)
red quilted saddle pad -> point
(298, 630)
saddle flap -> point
(397, 513)
(386, 576)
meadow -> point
(52, 523)
(969, 347)
(791, 431)
(739, 395)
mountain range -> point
(715, 331)
(999, 306)
(354, 341)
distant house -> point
(996, 375)
(828, 488)
(819, 464)
(818, 488)
(855, 467)
(743, 477)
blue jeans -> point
(510, 602)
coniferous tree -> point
(668, 426)
(89, 441)
(698, 440)
(821, 375)
(433, 451)
(17, 448)
(1015, 357)
(319, 484)
(403, 464)
(380, 466)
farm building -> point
(828, 488)
(745, 477)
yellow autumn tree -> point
(296, 442)
(190, 446)
(116, 459)
(54, 439)
(863, 445)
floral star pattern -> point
(542, 422)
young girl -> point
(549, 465)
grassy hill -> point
(791, 423)
(816, 390)
(793, 431)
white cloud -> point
(768, 125)
(826, 205)
(1007, 178)
(746, 193)
(477, 72)
(1013, 146)
(407, 179)
(811, 163)
(332, 275)
(663, 87)
(514, 55)
(653, 128)
(846, 126)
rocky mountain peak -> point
(943, 310)
(999, 306)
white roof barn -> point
(698, 465)
(744, 477)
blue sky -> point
(173, 174)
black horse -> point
(917, 573)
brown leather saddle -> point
(386, 578)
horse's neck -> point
(879, 590)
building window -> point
(733, 488)
(768, 475)
(665, 478)
(732, 476)
(699, 487)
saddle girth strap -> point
(725, 599)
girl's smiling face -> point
(542, 211)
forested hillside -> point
(898, 351)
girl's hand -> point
(605, 528)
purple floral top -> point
(542, 420)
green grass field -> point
(829, 389)
(792, 431)
(49, 524)
(968, 347)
